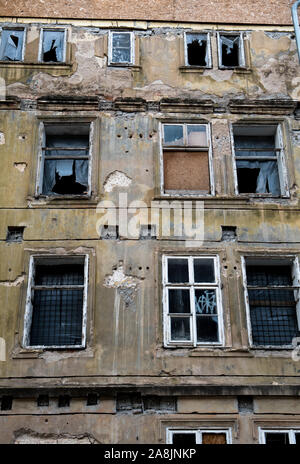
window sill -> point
(68, 200)
(194, 69)
(40, 353)
(133, 67)
(236, 69)
(23, 64)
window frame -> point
(285, 259)
(242, 53)
(208, 149)
(170, 431)
(281, 159)
(36, 259)
(208, 50)
(40, 52)
(41, 158)
(291, 433)
(17, 28)
(110, 49)
(192, 343)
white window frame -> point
(185, 147)
(198, 432)
(291, 433)
(208, 49)
(40, 53)
(34, 260)
(168, 343)
(41, 158)
(242, 59)
(281, 160)
(290, 259)
(132, 48)
(17, 28)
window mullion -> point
(193, 311)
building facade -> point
(149, 233)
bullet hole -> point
(147, 268)
(130, 268)
(125, 128)
(235, 268)
(46, 420)
(119, 135)
(130, 136)
(140, 268)
(126, 151)
(141, 136)
(150, 136)
(9, 270)
(225, 267)
(147, 170)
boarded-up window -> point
(12, 43)
(213, 438)
(186, 158)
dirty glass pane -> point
(184, 439)
(254, 143)
(277, 438)
(121, 48)
(53, 46)
(11, 45)
(173, 134)
(258, 177)
(179, 300)
(230, 45)
(273, 316)
(204, 270)
(178, 270)
(196, 135)
(263, 276)
(60, 274)
(180, 328)
(65, 177)
(205, 301)
(196, 49)
(207, 329)
(213, 438)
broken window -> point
(65, 159)
(121, 50)
(280, 437)
(53, 46)
(186, 159)
(56, 303)
(190, 437)
(192, 301)
(273, 296)
(259, 160)
(197, 50)
(231, 51)
(12, 44)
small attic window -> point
(197, 50)
(65, 159)
(12, 45)
(52, 46)
(231, 51)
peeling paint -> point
(20, 166)
(126, 285)
(116, 179)
(13, 283)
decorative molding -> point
(67, 103)
(186, 106)
(129, 104)
(274, 106)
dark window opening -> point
(14, 234)
(63, 401)
(110, 232)
(277, 438)
(128, 402)
(229, 233)
(184, 439)
(256, 161)
(66, 159)
(43, 400)
(53, 46)
(11, 45)
(92, 399)
(230, 53)
(196, 50)
(6, 403)
(57, 305)
(272, 308)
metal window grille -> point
(57, 305)
(272, 304)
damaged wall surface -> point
(87, 146)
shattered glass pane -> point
(173, 134)
(178, 270)
(180, 328)
(11, 45)
(121, 48)
(230, 50)
(53, 46)
(179, 300)
(196, 135)
(204, 270)
(196, 49)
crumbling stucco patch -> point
(30, 437)
(125, 284)
(2, 138)
(13, 283)
(116, 179)
(20, 166)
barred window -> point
(192, 301)
(273, 296)
(280, 437)
(187, 437)
(56, 302)
(186, 159)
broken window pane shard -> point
(11, 47)
(53, 46)
(197, 50)
(230, 50)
